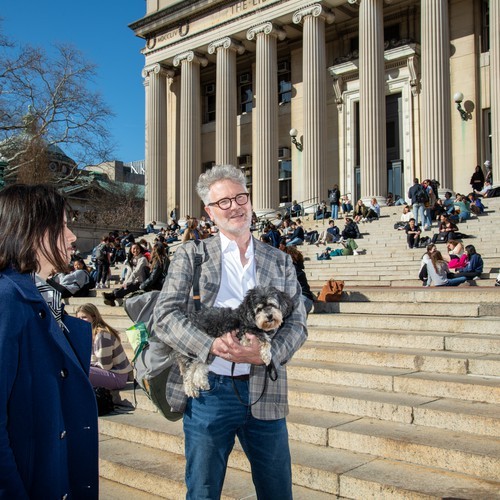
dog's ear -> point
(248, 306)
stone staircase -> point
(396, 393)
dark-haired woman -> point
(48, 413)
(477, 179)
(474, 267)
(437, 269)
(138, 272)
(159, 269)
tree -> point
(47, 103)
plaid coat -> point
(273, 267)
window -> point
(391, 33)
(285, 181)
(485, 26)
(245, 93)
(209, 103)
(284, 81)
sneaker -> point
(476, 278)
(497, 283)
(355, 252)
(98, 285)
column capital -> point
(314, 10)
(226, 43)
(157, 69)
(190, 56)
(267, 28)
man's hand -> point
(229, 348)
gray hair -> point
(215, 174)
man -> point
(418, 197)
(297, 236)
(413, 233)
(251, 404)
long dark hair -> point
(27, 215)
(130, 256)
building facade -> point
(301, 95)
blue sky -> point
(99, 29)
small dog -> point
(262, 311)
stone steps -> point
(411, 359)
(146, 451)
(466, 387)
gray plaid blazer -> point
(273, 267)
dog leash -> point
(271, 372)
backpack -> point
(331, 291)
(422, 196)
(153, 359)
(333, 196)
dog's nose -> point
(270, 317)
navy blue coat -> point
(48, 414)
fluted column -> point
(226, 100)
(436, 94)
(190, 132)
(265, 188)
(372, 110)
(495, 88)
(155, 204)
(314, 85)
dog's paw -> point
(190, 390)
(200, 377)
(265, 352)
(245, 341)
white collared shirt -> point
(236, 280)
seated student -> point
(77, 283)
(360, 211)
(322, 211)
(297, 236)
(109, 365)
(330, 235)
(159, 269)
(474, 267)
(138, 272)
(373, 212)
(476, 205)
(351, 229)
(405, 218)
(426, 259)
(437, 270)
(346, 205)
(413, 233)
(461, 208)
(484, 191)
(298, 262)
(325, 255)
(150, 228)
(446, 230)
(295, 209)
(389, 201)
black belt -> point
(241, 377)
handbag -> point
(331, 291)
(153, 359)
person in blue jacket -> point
(474, 267)
(48, 411)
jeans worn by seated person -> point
(271, 477)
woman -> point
(48, 413)
(437, 271)
(159, 269)
(360, 212)
(74, 284)
(426, 259)
(191, 232)
(334, 199)
(298, 262)
(474, 267)
(346, 205)
(109, 365)
(446, 230)
(477, 179)
(138, 271)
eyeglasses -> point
(226, 203)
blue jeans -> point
(456, 281)
(295, 241)
(211, 423)
(418, 213)
(335, 210)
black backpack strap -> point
(198, 261)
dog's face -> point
(267, 307)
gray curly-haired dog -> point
(262, 311)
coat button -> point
(64, 373)
(62, 435)
(64, 497)
(42, 314)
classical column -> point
(436, 94)
(226, 100)
(495, 88)
(265, 188)
(190, 131)
(314, 89)
(372, 121)
(156, 144)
